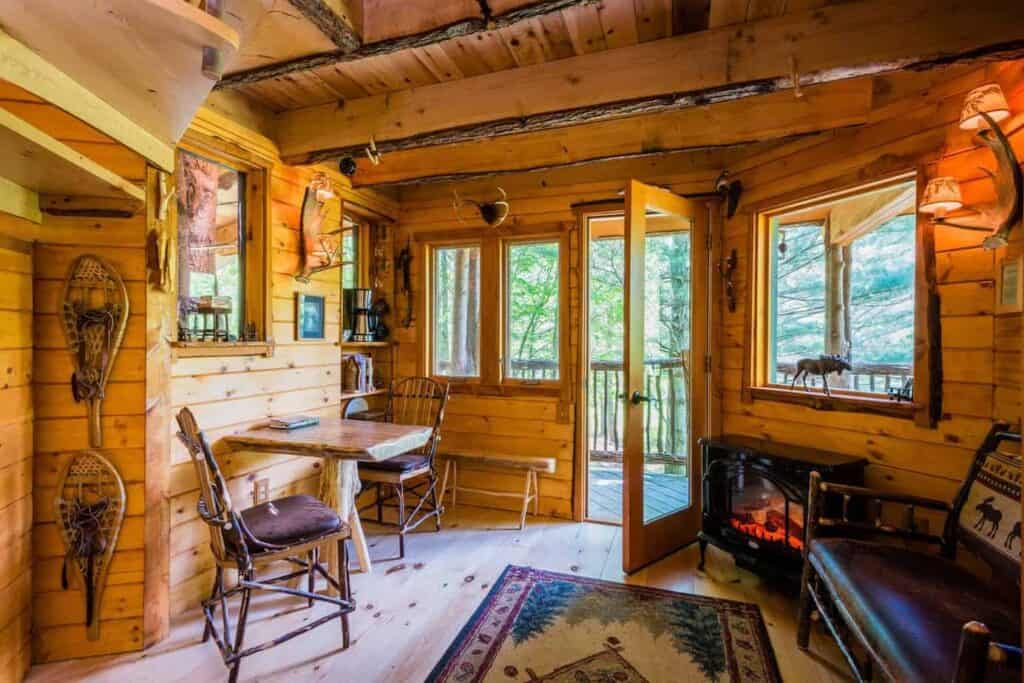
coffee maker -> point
(362, 318)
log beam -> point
(770, 117)
(820, 46)
(334, 19)
(458, 29)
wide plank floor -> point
(411, 610)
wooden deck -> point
(410, 610)
(663, 493)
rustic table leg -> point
(339, 486)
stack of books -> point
(294, 422)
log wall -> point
(229, 395)
(15, 456)
(910, 126)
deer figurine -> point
(822, 366)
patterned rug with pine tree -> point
(559, 628)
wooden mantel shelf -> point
(132, 69)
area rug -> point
(538, 626)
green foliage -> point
(881, 309)
(533, 304)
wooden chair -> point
(919, 616)
(411, 401)
(291, 529)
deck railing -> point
(870, 377)
(666, 383)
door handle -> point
(636, 398)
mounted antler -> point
(1008, 209)
(492, 213)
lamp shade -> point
(987, 98)
(941, 195)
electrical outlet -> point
(260, 491)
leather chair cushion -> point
(400, 463)
(911, 606)
(291, 520)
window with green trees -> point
(532, 310)
(455, 345)
(842, 283)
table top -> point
(334, 437)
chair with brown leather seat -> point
(293, 529)
(411, 401)
(916, 615)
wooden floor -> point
(663, 493)
(410, 610)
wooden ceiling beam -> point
(771, 117)
(817, 46)
(336, 19)
(458, 29)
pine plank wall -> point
(980, 351)
(15, 457)
(231, 394)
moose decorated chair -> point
(917, 615)
(411, 401)
(293, 529)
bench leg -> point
(526, 501)
(536, 493)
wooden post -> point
(837, 302)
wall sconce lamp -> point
(983, 109)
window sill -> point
(845, 402)
(180, 349)
(475, 388)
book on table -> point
(293, 421)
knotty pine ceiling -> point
(285, 34)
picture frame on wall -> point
(310, 317)
(1010, 285)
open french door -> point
(666, 323)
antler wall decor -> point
(492, 213)
(94, 314)
(983, 109)
(89, 510)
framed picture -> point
(310, 316)
(1010, 286)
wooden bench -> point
(530, 465)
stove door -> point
(665, 403)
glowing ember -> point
(773, 530)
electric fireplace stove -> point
(755, 497)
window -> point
(455, 346)
(222, 262)
(349, 254)
(840, 281)
(532, 310)
(211, 249)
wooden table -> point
(341, 444)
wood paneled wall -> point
(521, 425)
(15, 456)
(230, 394)
(58, 616)
(980, 351)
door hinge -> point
(707, 242)
(707, 363)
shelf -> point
(141, 60)
(349, 395)
(208, 349)
(42, 164)
(366, 345)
